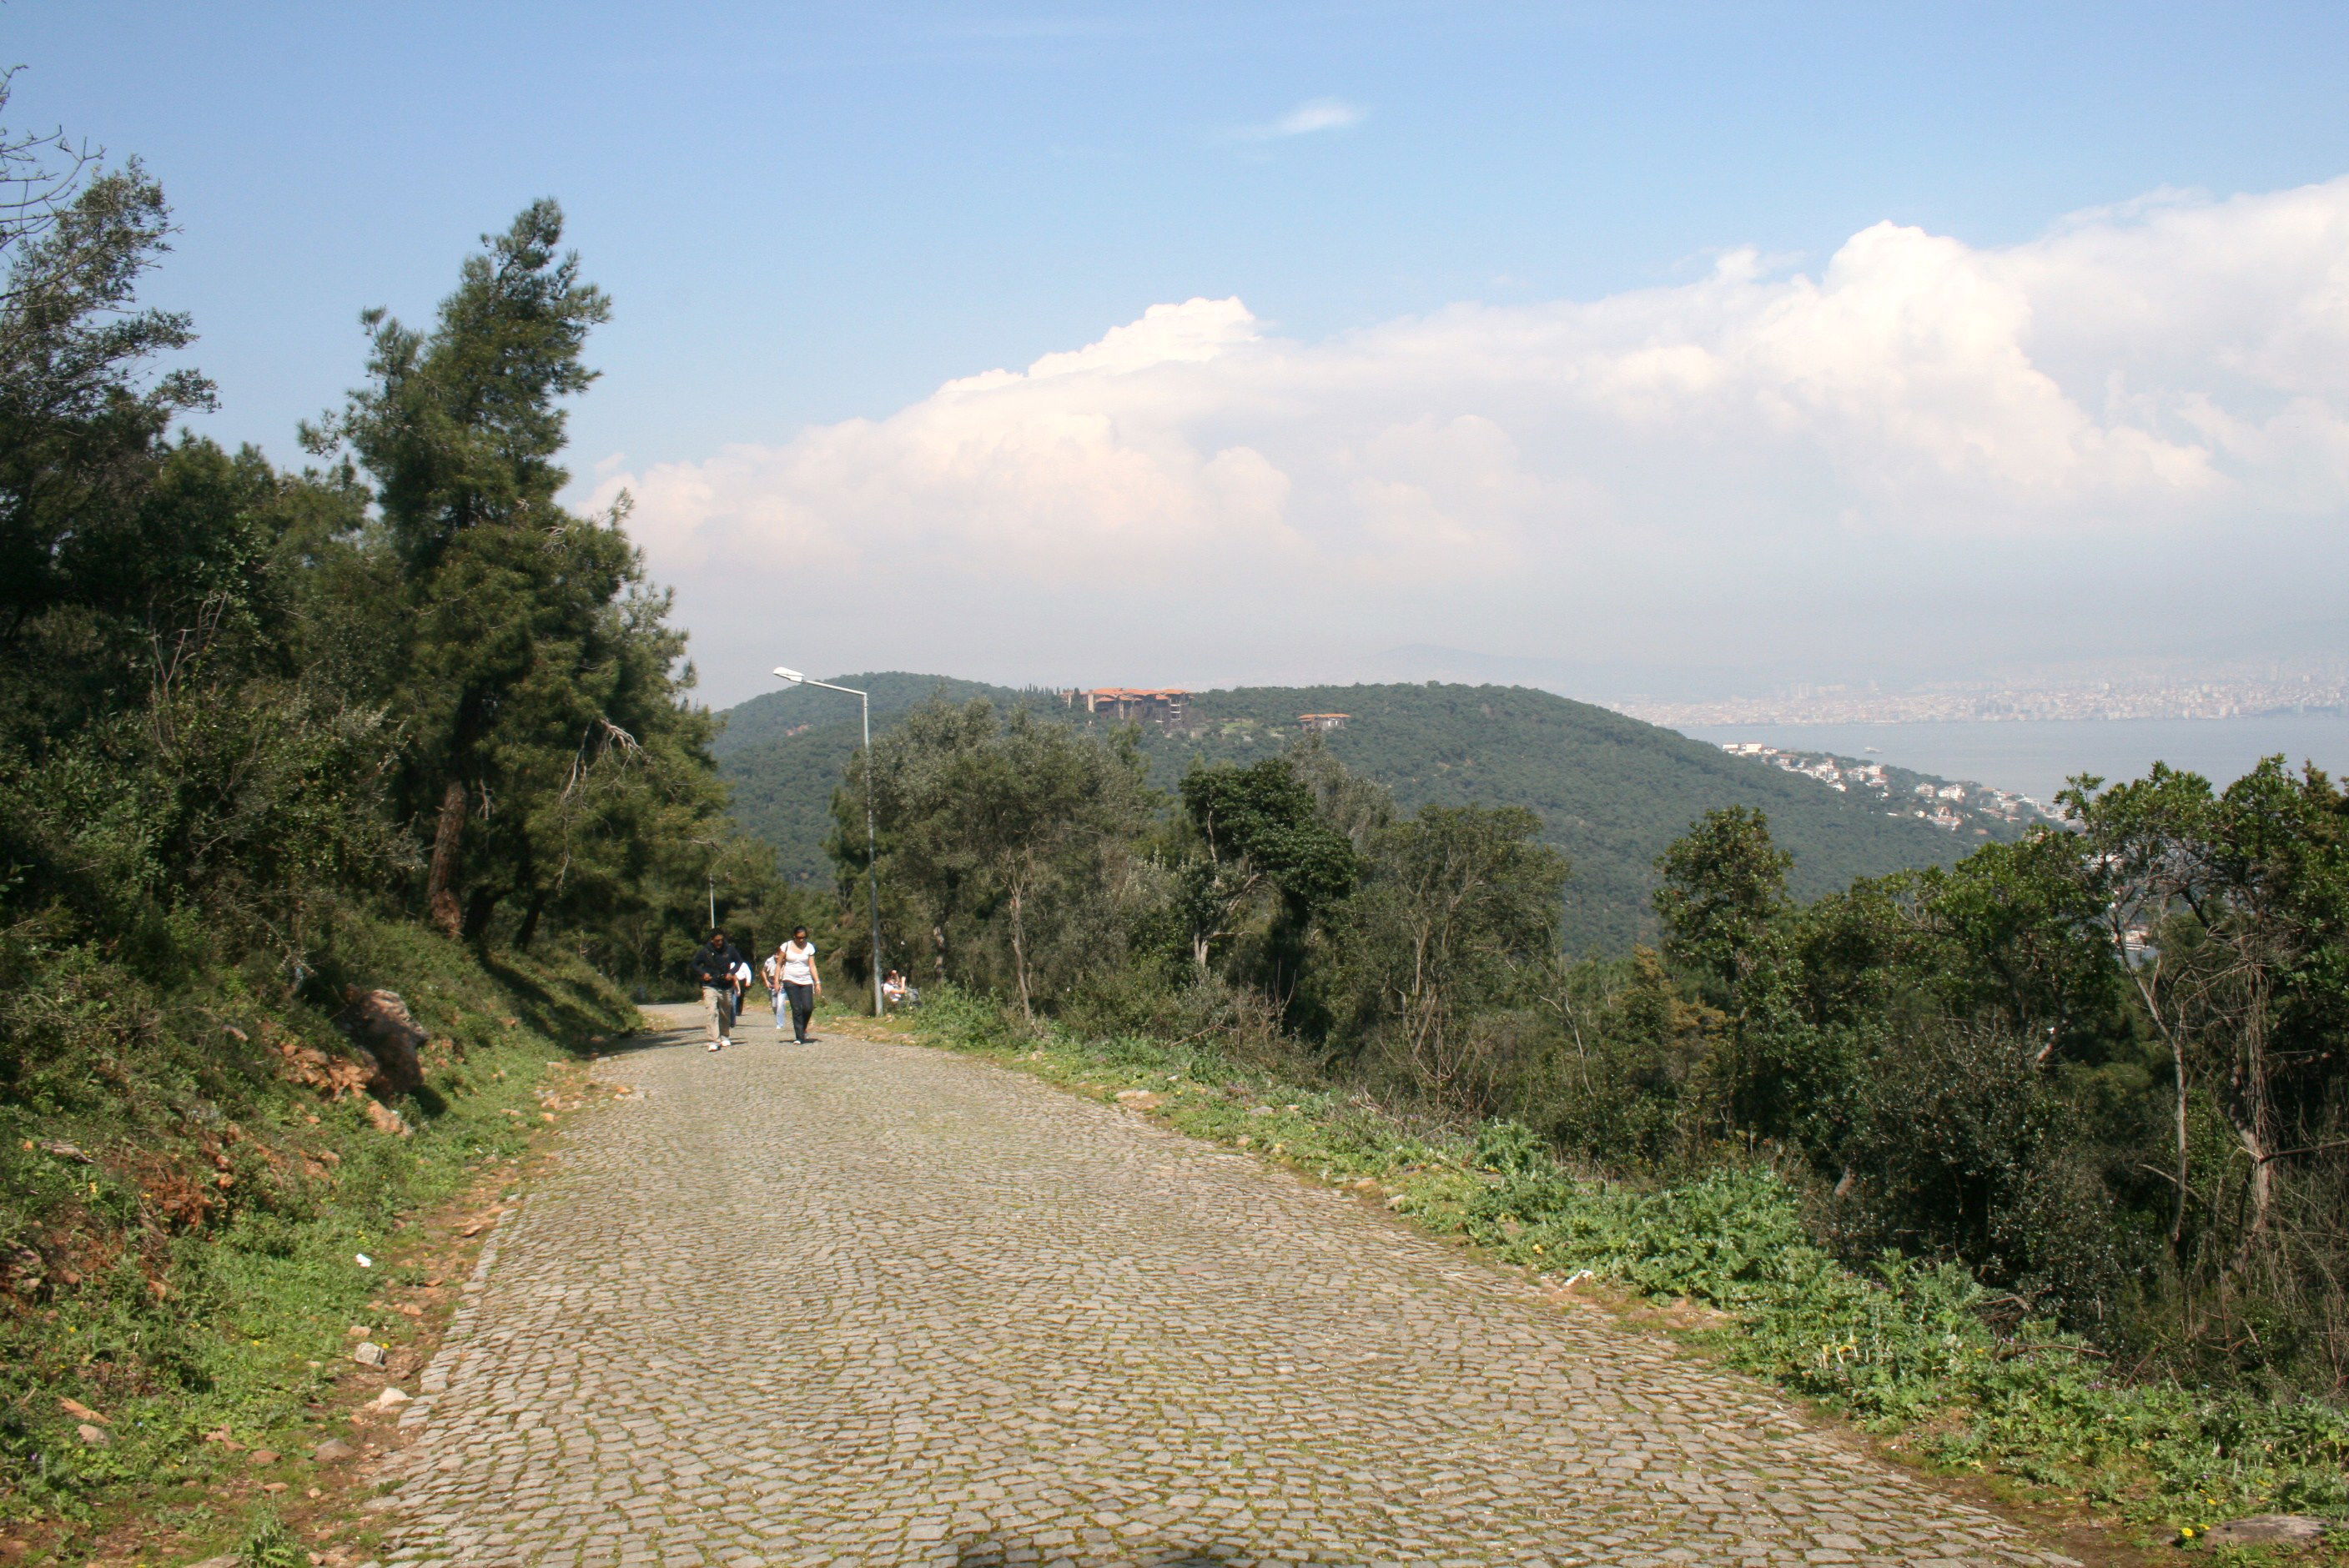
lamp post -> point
(871, 851)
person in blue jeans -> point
(801, 984)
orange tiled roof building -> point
(1165, 707)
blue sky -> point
(812, 214)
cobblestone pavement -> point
(864, 1302)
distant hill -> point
(1612, 792)
(784, 753)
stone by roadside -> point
(2275, 1530)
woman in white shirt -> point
(773, 970)
(801, 984)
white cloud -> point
(1311, 115)
(2135, 428)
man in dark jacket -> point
(712, 969)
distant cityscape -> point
(1954, 806)
(2157, 699)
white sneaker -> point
(727, 1041)
(713, 1044)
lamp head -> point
(792, 675)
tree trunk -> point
(2147, 981)
(529, 932)
(1020, 953)
(2178, 1214)
(440, 883)
(2260, 1194)
(938, 955)
(478, 910)
(2255, 1125)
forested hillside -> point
(332, 801)
(782, 755)
(2092, 1077)
(1610, 792)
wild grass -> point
(192, 1264)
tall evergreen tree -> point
(533, 661)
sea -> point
(2035, 757)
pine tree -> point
(533, 664)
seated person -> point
(895, 992)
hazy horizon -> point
(2035, 758)
(1685, 353)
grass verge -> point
(1905, 1350)
(197, 1232)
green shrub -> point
(270, 1544)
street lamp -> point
(871, 853)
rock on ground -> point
(377, 1022)
(2263, 1528)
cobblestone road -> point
(862, 1302)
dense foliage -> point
(1009, 842)
(235, 695)
(782, 754)
(271, 740)
(2100, 1068)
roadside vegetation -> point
(2040, 1159)
(275, 743)
(214, 1228)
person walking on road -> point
(712, 968)
(773, 972)
(801, 984)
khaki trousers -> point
(718, 1007)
